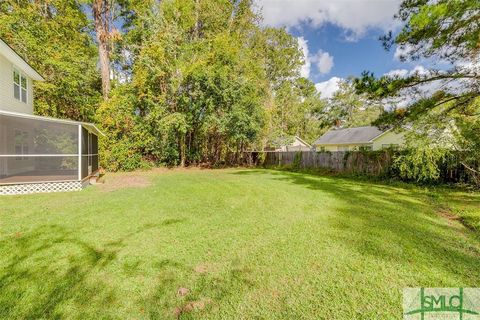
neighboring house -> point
(39, 154)
(296, 145)
(359, 138)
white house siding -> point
(3, 147)
(387, 139)
(296, 145)
(7, 100)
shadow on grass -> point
(51, 273)
(392, 224)
(45, 270)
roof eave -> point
(42, 118)
(381, 134)
(12, 56)
(303, 141)
(341, 143)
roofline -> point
(303, 141)
(346, 143)
(34, 74)
(342, 144)
(381, 134)
(50, 119)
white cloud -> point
(418, 70)
(328, 88)
(401, 52)
(323, 61)
(356, 17)
(401, 73)
(305, 69)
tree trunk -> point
(182, 149)
(197, 20)
(102, 20)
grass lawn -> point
(229, 244)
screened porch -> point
(37, 149)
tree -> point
(105, 14)
(348, 109)
(293, 100)
(198, 86)
(102, 18)
(448, 99)
(207, 83)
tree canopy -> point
(439, 103)
(183, 82)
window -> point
(390, 146)
(21, 144)
(365, 148)
(20, 85)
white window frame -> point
(22, 95)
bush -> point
(297, 160)
(420, 164)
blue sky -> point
(349, 58)
(339, 37)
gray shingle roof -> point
(349, 135)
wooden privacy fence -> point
(373, 163)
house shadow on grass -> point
(44, 274)
(393, 224)
(49, 272)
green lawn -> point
(228, 244)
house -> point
(359, 138)
(297, 145)
(39, 154)
(290, 144)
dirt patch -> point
(191, 306)
(182, 291)
(177, 169)
(124, 181)
(201, 268)
(453, 220)
(205, 268)
(448, 215)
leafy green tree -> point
(293, 100)
(53, 36)
(198, 82)
(348, 109)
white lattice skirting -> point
(43, 187)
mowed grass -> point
(228, 244)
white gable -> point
(16, 81)
(8, 53)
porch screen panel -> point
(89, 153)
(95, 163)
(94, 155)
(37, 136)
(36, 150)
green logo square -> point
(441, 303)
